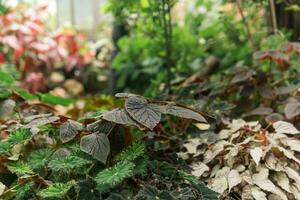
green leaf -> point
(23, 190)
(116, 174)
(206, 193)
(6, 78)
(19, 136)
(88, 190)
(19, 168)
(25, 94)
(38, 158)
(57, 190)
(51, 99)
(152, 193)
(69, 130)
(132, 152)
(4, 93)
(4, 148)
(96, 145)
(68, 164)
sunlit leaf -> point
(56, 190)
(116, 174)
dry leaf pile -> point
(249, 162)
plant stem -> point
(274, 21)
(167, 26)
(238, 3)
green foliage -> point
(116, 174)
(39, 158)
(19, 136)
(132, 152)
(69, 164)
(151, 193)
(51, 99)
(57, 190)
(23, 190)
(4, 147)
(19, 168)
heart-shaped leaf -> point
(96, 145)
(141, 111)
(119, 116)
(100, 126)
(69, 130)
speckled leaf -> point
(146, 114)
(6, 108)
(100, 126)
(119, 116)
(69, 130)
(183, 112)
(285, 127)
(292, 110)
(96, 145)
